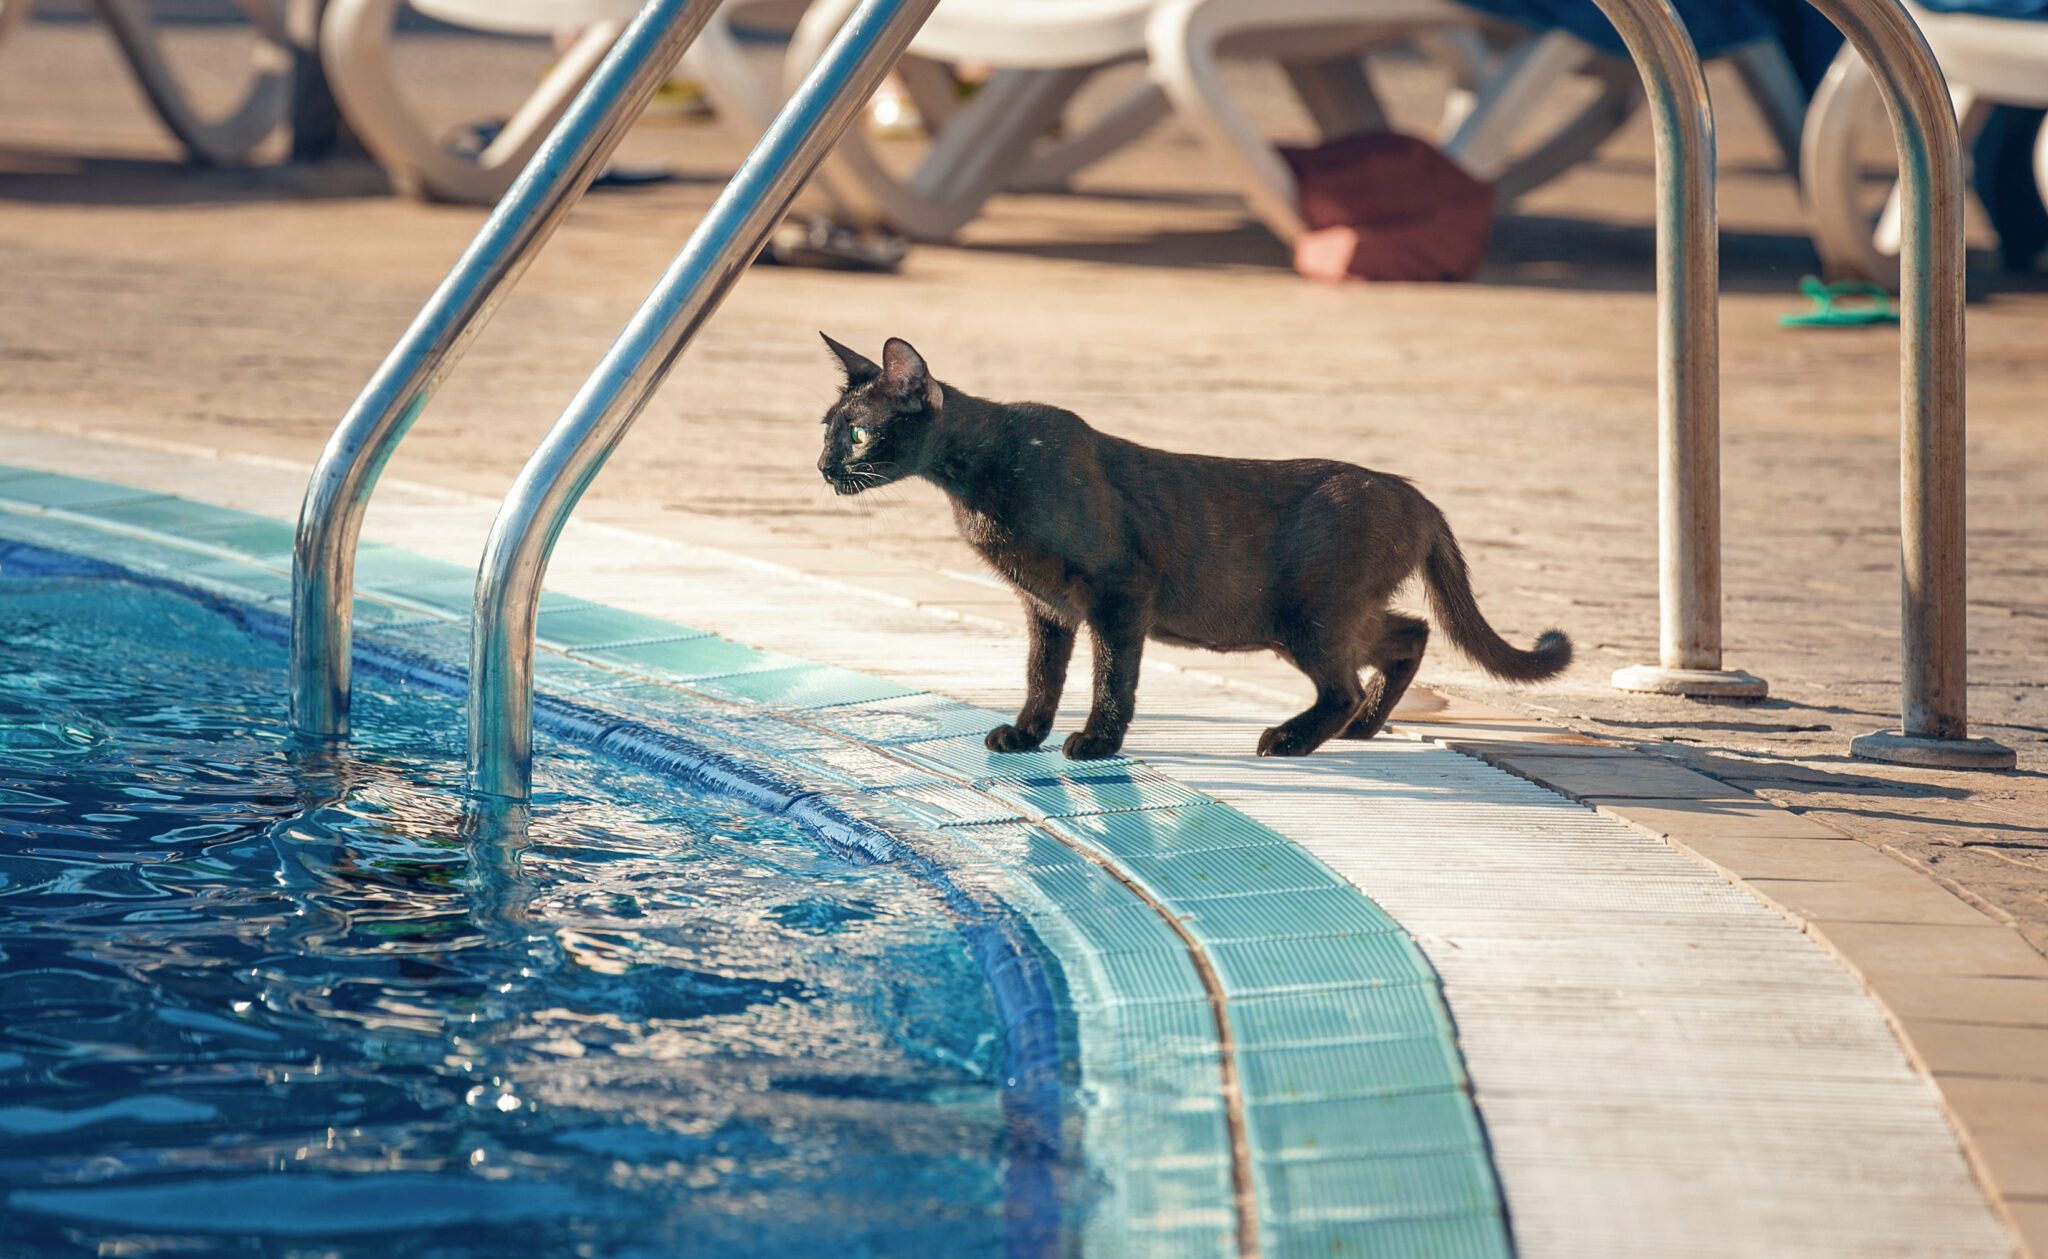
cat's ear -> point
(859, 368)
(904, 374)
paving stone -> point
(1690, 819)
(1457, 733)
(1496, 751)
(1889, 900)
(1997, 1002)
(2008, 1125)
(1607, 777)
(1881, 949)
(2029, 1217)
(2013, 1053)
(1780, 857)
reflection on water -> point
(267, 1001)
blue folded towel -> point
(2025, 10)
(1720, 26)
(1716, 26)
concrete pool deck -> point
(1664, 1064)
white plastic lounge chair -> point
(230, 139)
(1485, 124)
(1048, 48)
(356, 54)
(1987, 60)
(1188, 40)
(11, 14)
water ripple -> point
(251, 992)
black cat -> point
(1298, 556)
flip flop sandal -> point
(617, 176)
(816, 241)
(1848, 304)
(684, 97)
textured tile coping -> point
(1264, 1055)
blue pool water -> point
(259, 1000)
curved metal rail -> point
(331, 519)
(1933, 525)
(734, 229)
(1688, 362)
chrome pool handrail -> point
(531, 518)
(1933, 518)
(1688, 361)
(331, 518)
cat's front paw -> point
(1280, 741)
(1082, 746)
(1012, 739)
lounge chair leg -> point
(1338, 96)
(1182, 39)
(1621, 92)
(1466, 55)
(2041, 165)
(1049, 169)
(227, 141)
(1850, 245)
(932, 88)
(1778, 94)
(1514, 90)
(980, 147)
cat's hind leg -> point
(1339, 698)
(1395, 660)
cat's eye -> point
(860, 435)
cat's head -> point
(880, 429)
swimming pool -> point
(645, 1023)
(1209, 1043)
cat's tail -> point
(1450, 597)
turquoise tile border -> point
(912, 719)
(1355, 1108)
(176, 516)
(592, 625)
(51, 490)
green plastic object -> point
(1845, 304)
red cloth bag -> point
(1385, 206)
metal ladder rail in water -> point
(531, 519)
(515, 557)
(331, 518)
(1933, 496)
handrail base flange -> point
(1729, 684)
(1898, 748)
